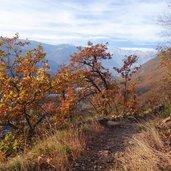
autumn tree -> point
(65, 83)
(165, 50)
(165, 55)
(128, 89)
(24, 84)
(95, 81)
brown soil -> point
(100, 152)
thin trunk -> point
(94, 106)
(27, 119)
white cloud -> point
(56, 21)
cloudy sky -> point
(123, 23)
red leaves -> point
(91, 77)
(129, 66)
(91, 53)
(126, 71)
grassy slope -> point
(149, 79)
(146, 151)
(56, 151)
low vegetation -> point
(55, 151)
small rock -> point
(113, 124)
(104, 153)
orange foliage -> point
(129, 68)
(165, 54)
(26, 85)
(95, 82)
(23, 84)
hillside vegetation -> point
(73, 117)
(149, 80)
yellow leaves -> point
(28, 53)
(9, 47)
(39, 47)
(1, 42)
(1, 73)
(41, 75)
(11, 93)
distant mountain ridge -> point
(60, 54)
(55, 54)
(144, 55)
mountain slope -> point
(60, 54)
(149, 79)
(56, 54)
(143, 54)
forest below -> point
(48, 121)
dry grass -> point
(144, 153)
(55, 152)
(149, 81)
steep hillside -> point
(149, 79)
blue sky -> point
(123, 23)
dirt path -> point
(100, 152)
